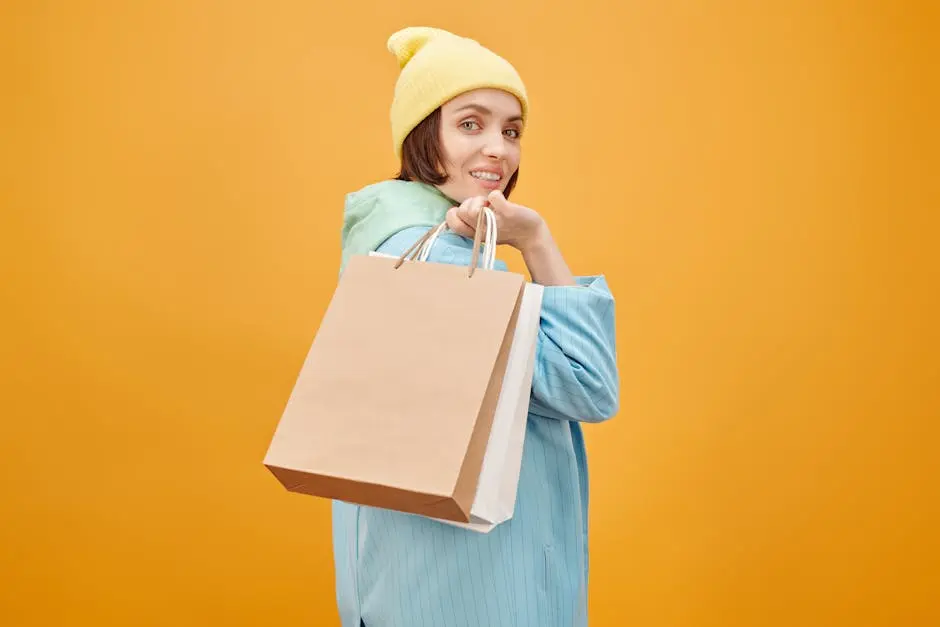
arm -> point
(576, 375)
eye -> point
(469, 125)
(513, 133)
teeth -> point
(487, 176)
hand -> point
(519, 227)
(516, 226)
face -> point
(480, 137)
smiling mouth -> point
(485, 176)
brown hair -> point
(422, 155)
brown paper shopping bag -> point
(394, 402)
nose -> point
(494, 146)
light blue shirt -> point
(403, 570)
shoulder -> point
(379, 207)
(390, 189)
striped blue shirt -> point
(402, 570)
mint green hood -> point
(378, 211)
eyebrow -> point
(484, 111)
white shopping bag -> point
(495, 498)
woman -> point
(458, 116)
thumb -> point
(497, 200)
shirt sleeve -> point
(576, 376)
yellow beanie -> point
(437, 66)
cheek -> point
(457, 149)
(514, 158)
(453, 171)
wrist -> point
(544, 261)
(539, 240)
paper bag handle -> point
(421, 248)
(489, 244)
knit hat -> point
(437, 66)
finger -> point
(463, 211)
(470, 209)
(457, 225)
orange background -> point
(757, 180)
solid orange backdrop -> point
(755, 179)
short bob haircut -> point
(421, 155)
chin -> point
(481, 188)
(472, 188)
